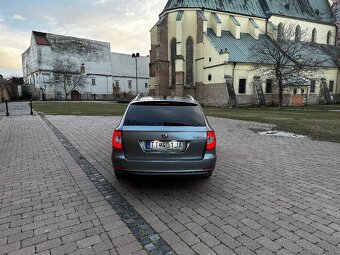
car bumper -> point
(201, 167)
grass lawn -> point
(80, 108)
(320, 122)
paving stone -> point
(12, 247)
(209, 239)
(269, 244)
(201, 248)
(64, 249)
(189, 238)
(248, 242)
(309, 246)
(230, 230)
(89, 241)
(221, 249)
(289, 245)
(182, 248)
(73, 237)
(24, 251)
(50, 244)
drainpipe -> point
(234, 63)
(337, 84)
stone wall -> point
(212, 94)
(246, 99)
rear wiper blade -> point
(175, 124)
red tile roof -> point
(40, 38)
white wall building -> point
(46, 66)
(124, 73)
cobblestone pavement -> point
(268, 195)
(15, 108)
(47, 203)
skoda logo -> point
(165, 135)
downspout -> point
(337, 82)
(234, 63)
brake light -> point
(117, 141)
(211, 140)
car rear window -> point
(164, 115)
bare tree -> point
(287, 56)
(68, 76)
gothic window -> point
(173, 49)
(329, 37)
(189, 62)
(314, 34)
(298, 33)
(280, 31)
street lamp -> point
(135, 56)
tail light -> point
(211, 140)
(117, 141)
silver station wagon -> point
(165, 136)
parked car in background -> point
(166, 136)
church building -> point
(203, 48)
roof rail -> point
(190, 97)
(139, 96)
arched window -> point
(173, 55)
(314, 34)
(298, 33)
(329, 37)
(189, 62)
(280, 31)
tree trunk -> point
(66, 94)
(280, 95)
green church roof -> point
(239, 50)
(312, 10)
(245, 7)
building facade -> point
(82, 69)
(124, 76)
(196, 46)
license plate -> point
(165, 146)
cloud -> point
(2, 19)
(102, 2)
(18, 17)
(124, 24)
(13, 44)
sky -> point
(123, 23)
